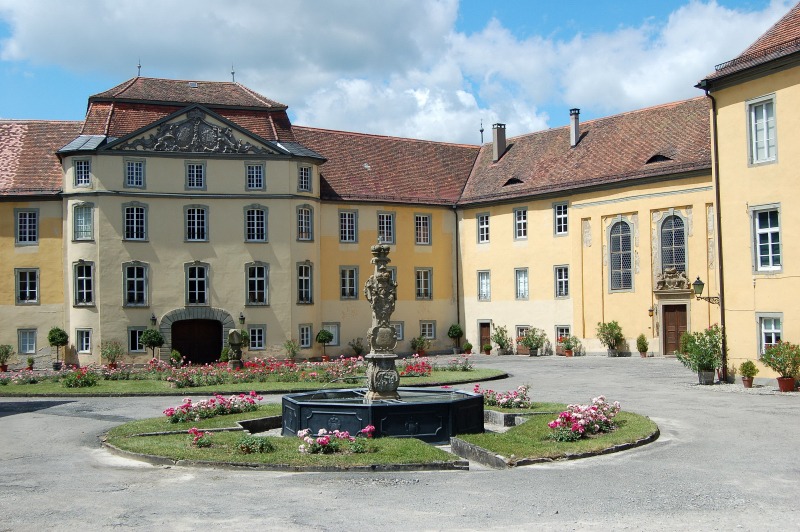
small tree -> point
(5, 353)
(324, 337)
(642, 345)
(111, 350)
(610, 334)
(292, 347)
(151, 339)
(455, 332)
(501, 338)
(58, 338)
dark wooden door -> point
(485, 334)
(674, 326)
(199, 341)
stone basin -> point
(431, 415)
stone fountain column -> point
(381, 292)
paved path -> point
(724, 460)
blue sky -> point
(430, 70)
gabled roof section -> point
(780, 41)
(28, 161)
(84, 142)
(612, 150)
(363, 167)
(139, 102)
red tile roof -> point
(611, 150)
(388, 169)
(28, 164)
(782, 39)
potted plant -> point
(467, 347)
(5, 353)
(292, 347)
(419, 344)
(57, 338)
(610, 335)
(569, 344)
(642, 345)
(30, 362)
(487, 349)
(324, 337)
(783, 358)
(455, 332)
(748, 370)
(703, 353)
(357, 345)
(502, 339)
(152, 339)
(111, 350)
(534, 339)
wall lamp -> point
(153, 320)
(698, 286)
(651, 311)
(241, 318)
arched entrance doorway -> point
(199, 341)
(198, 333)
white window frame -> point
(135, 334)
(770, 329)
(254, 176)
(83, 340)
(522, 285)
(196, 223)
(134, 283)
(305, 283)
(83, 275)
(26, 341)
(755, 108)
(521, 223)
(386, 227)
(561, 218)
(484, 278)
(196, 175)
(561, 280)
(399, 327)
(27, 295)
(348, 282)
(422, 229)
(26, 227)
(334, 329)
(134, 221)
(304, 334)
(482, 224)
(83, 229)
(83, 172)
(258, 337)
(305, 223)
(772, 233)
(423, 283)
(197, 286)
(562, 331)
(304, 178)
(134, 173)
(256, 223)
(427, 329)
(348, 226)
(257, 283)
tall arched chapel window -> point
(621, 256)
(673, 244)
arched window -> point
(673, 244)
(621, 256)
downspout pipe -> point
(458, 266)
(718, 209)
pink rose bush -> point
(333, 442)
(578, 421)
(215, 406)
(512, 399)
(200, 438)
(417, 366)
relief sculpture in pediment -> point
(672, 279)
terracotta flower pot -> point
(786, 384)
(643, 354)
(747, 382)
(567, 352)
(3, 367)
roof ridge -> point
(389, 137)
(39, 120)
(126, 87)
(256, 95)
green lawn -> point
(155, 387)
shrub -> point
(357, 345)
(501, 338)
(641, 344)
(748, 369)
(199, 438)
(254, 444)
(610, 334)
(111, 351)
(784, 358)
(152, 339)
(534, 338)
(416, 367)
(455, 332)
(292, 347)
(57, 338)
(578, 421)
(223, 357)
(80, 378)
(420, 343)
(703, 351)
(175, 359)
(513, 399)
(683, 342)
(467, 346)
(5, 353)
(460, 363)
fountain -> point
(432, 415)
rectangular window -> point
(135, 285)
(767, 240)
(255, 220)
(257, 284)
(348, 282)
(562, 331)
(423, 283)
(422, 229)
(304, 288)
(521, 283)
(27, 227)
(761, 115)
(484, 286)
(195, 175)
(483, 228)
(332, 328)
(562, 281)
(257, 337)
(305, 335)
(386, 227)
(197, 285)
(347, 226)
(135, 339)
(196, 224)
(770, 328)
(27, 341)
(255, 176)
(27, 286)
(82, 223)
(83, 340)
(522, 330)
(304, 223)
(84, 283)
(134, 174)
(135, 223)
(427, 329)
(398, 328)
(82, 173)
(520, 223)
(560, 218)
(304, 179)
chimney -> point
(574, 127)
(498, 141)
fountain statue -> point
(381, 292)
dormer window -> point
(512, 181)
(658, 158)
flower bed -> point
(335, 442)
(512, 399)
(579, 421)
(215, 406)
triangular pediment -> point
(196, 130)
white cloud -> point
(394, 67)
